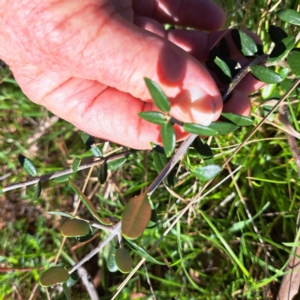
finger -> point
(200, 14)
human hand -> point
(85, 62)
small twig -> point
(83, 274)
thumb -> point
(99, 44)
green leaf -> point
(37, 191)
(168, 137)
(154, 117)
(87, 202)
(53, 276)
(290, 15)
(72, 279)
(85, 137)
(265, 74)
(60, 213)
(76, 164)
(203, 149)
(62, 178)
(102, 174)
(27, 165)
(205, 173)
(143, 253)
(276, 33)
(74, 228)
(153, 221)
(67, 291)
(282, 48)
(223, 127)
(294, 62)
(244, 42)
(116, 163)
(123, 260)
(96, 151)
(136, 216)
(158, 96)
(111, 261)
(223, 66)
(159, 161)
(199, 129)
(238, 119)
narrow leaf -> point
(168, 137)
(294, 62)
(74, 228)
(143, 253)
(123, 260)
(96, 151)
(223, 127)
(115, 164)
(223, 66)
(205, 173)
(136, 216)
(67, 291)
(154, 117)
(159, 161)
(62, 178)
(37, 191)
(111, 261)
(244, 42)
(72, 279)
(102, 174)
(290, 15)
(60, 213)
(87, 202)
(202, 148)
(238, 119)
(76, 164)
(53, 276)
(27, 165)
(265, 74)
(199, 129)
(158, 96)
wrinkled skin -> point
(85, 61)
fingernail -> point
(194, 105)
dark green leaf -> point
(84, 238)
(136, 216)
(87, 202)
(143, 253)
(202, 148)
(282, 48)
(37, 191)
(123, 260)
(244, 42)
(84, 137)
(168, 137)
(158, 96)
(72, 279)
(199, 129)
(67, 291)
(110, 261)
(160, 160)
(238, 119)
(294, 62)
(276, 33)
(265, 74)
(157, 148)
(27, 165)
(102, 174)
(76, 164)
(154, 117)
(53, 276)
(75, 227)
(223, 66)
(290, 15)
(115, 164)
(96, 151)
(223, 127)
(205, 173)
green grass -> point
(218, 250)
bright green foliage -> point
(76, 164)
(294, 62)
(96, 151)
(154, 117)
(168, 137)
(53, 276)
(290, 15)
(199, 129)
(265, 74)
(87, 202)
(123, 260)
(158, 96)
(111, 261)
(244, 42)
(115, 164)
(27, 165)
(207, 172)
(223, 66)
(136, 216)
(239, 120)
(223, 127)
(74, 228)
